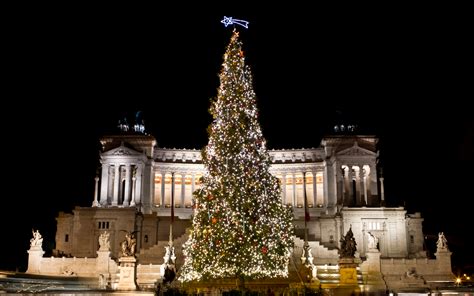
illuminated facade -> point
(139, 180)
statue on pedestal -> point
(37, 241)
(373, 241)
(442, 242)
(104, 242)
(129, 244)
(348, 245)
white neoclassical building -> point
(139, 180)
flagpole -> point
(306, 214)
(306, 257)
(172, 211)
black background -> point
(70, 73)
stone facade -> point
(134, 193)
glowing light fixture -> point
(231, 21)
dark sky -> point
(401, 74)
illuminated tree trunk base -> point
(278, 286)
(241, 284)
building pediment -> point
(122, 151)
(356, 150)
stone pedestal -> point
(373, 260)
(127, 274)
(103, 258)
(347, 271)
(372, 275)
(35, 256)
(443, 260)
(348, 283)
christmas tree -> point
(240, 226)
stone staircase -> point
(325, 260)
(155, 254)
(321, 254)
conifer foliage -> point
(240, 227)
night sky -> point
(71, 76)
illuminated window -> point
(375, 225)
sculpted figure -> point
(129, 245)
(104, 241)
(442, 243)
(37, 240)
(348, 245)
(373, 241)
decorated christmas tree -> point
(240, 226)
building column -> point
(152, 189)
(294, 191)
(183, 189)
(326, 184)
(361, 182)
(193, 185)
(346, 192)
(350, 192)
(372, 190)
(339, 231)
(364, 187)
(163, 189)
(138, 187)
(340, 185)
(95, 203)
(126, 196)
(104, 184)
(134, 179)
(283, 188)
(116, 184)
(110, 190)
(356, 176)
(382, 192)
(315, 191)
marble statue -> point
(104, 241)
(129, 244)
(37, 240)
(442, 243)
(373, 241)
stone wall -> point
(407, 273)
(81, 267)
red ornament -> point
(264, 250)
(209, 196)
(214, 220)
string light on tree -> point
(240, 226)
